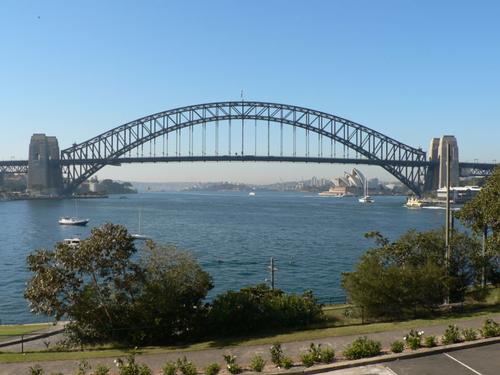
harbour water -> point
(313, 239)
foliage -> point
(257, 363)
(362, 347)
(131, 367)
(36, 370)
(307, 359)
(451, 335)
(231, 364)
(276, 354)
(212, 369)
(287, 363)
(469, 334)
(319, 354)
(490, 328)
(483, 211)
(257, 308)
(408, 276)
(101, 370)
(169, 368)
(414, 339)
(397, 346)
(430, 341)
(110, 296)
(83, 367)
(186, 367)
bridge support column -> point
(44, 168)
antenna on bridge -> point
(241, 96)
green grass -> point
(15, 330)
(300, 335)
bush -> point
(414, 339)
(397, 346)
(169, 368)
(430, 341)
(231, 364)
(451, 335)
(327, 355)
(101, 370)
(131, 367)
(36, 370)
(212, 369)
(276, 354)
(362, 347)
(83, 367)
(257, 363)
(469, 334)
(260, 308)
(287, 363)
(307, 359)
(186, 367)
(490, 328)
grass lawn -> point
(309, 334)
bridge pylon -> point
(44, 168)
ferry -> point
(65, 220)
(414, 202)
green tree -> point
(109, 293)
(408, 276)
(482, 214)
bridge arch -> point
(406, 163)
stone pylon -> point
(44, 168)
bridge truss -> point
(14, 167)
(240, 130)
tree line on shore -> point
(111, 292)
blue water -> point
(313, 239)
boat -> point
(414, 202)
(66, 220)
(72, 242)
(252, 193)
(75, 220)
(139, 236)
(366, 198)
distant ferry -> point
(414, 202)
(73, 221)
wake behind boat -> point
(65, 220)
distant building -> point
(459, 194)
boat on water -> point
(138, 236)
(366, 198)
(66, 220)
(252, 194)
(72, 242)
(414, 202)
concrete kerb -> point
(389, 357)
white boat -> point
(139, 236)
(252, 193)
(66, 220)
(414, 202)
(72, 242)
(366, 198)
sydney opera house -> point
(350, 184)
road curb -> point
(389, 357)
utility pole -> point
(447, 224)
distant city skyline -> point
(413, 71)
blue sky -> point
(409, 69)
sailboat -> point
(366, 198)
(139, 236)
(75, 220)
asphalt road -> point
(483, 360)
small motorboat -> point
(252, 193)
(72, 242)
(65, 220)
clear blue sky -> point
(409, 69)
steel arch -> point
(406, 163)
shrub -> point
(287, 363)
(169, 368)
(131, 367)
(362, 347)
(212, 369)
(307, 359)
(186, 367)
(327, 355)
(83, 367)
(430, 341)
(414, 339)
(257, 363)
(101, 370)
(469, 334)
(490, 328)
(451, 335)
(397, 346)
(276, 354)
(36, 370)
(231, 364)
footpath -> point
(202, 358)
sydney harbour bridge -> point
(243, 131)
